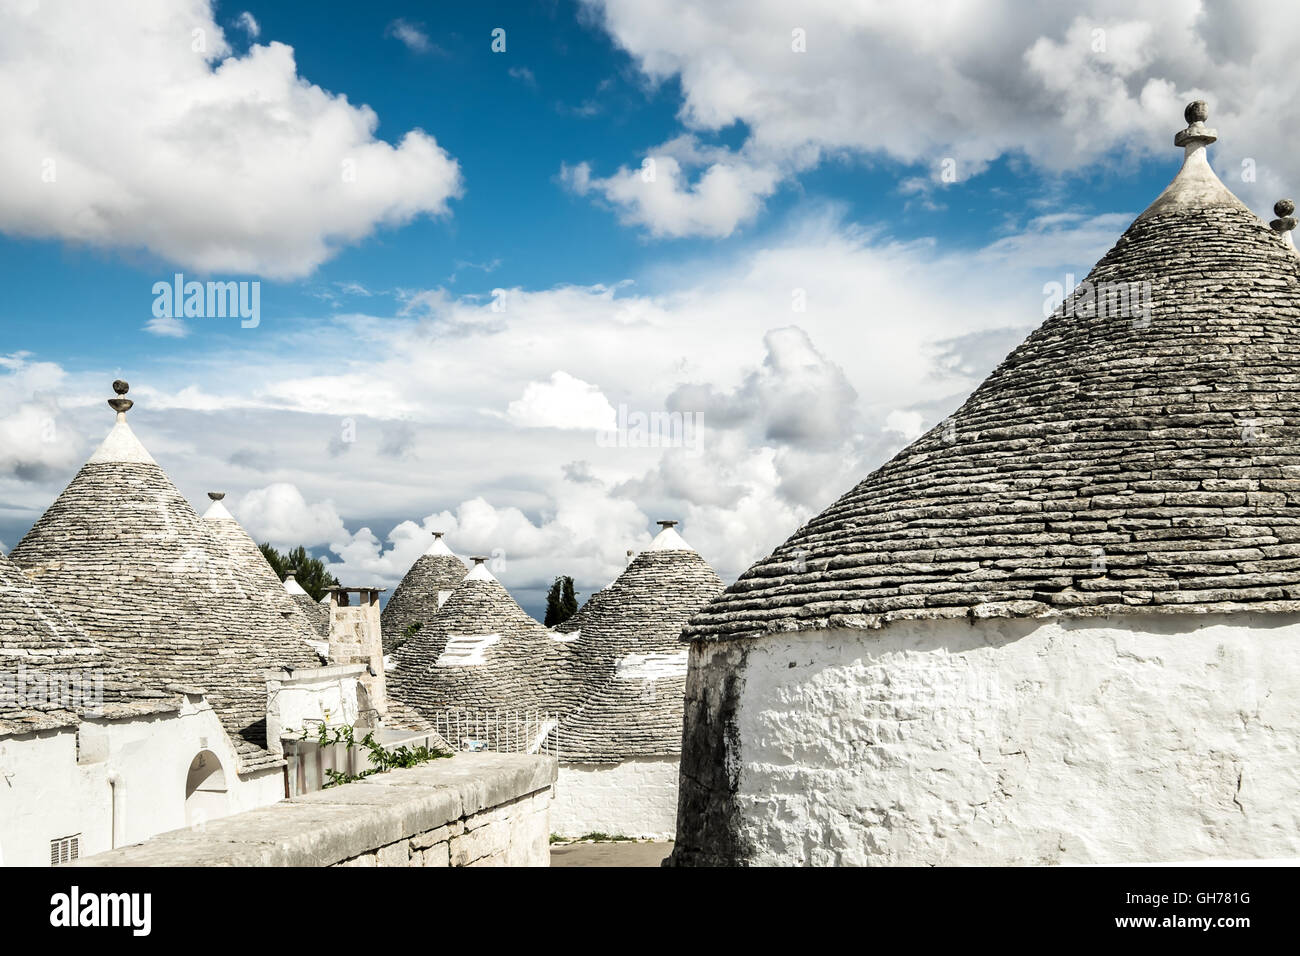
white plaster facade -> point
(636, 798)
(1020, 742)
(309, 698)
(113, 782)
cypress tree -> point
(561, 604)
(569, 600)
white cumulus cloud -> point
(140, 130)
(562, 402)
(945, 87)
(281, 515)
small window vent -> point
(65, 849)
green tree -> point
(309, 572)
(569, 600)
(561, 602)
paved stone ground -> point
(609, 854)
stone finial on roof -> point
(480, 571)
(1284, 209)
(216, 495)
(120, 405)
(438, 546)
(1196, 186)
(293, 587)
(668, 539)
(1196, 134)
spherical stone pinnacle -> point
(1283, 208)
(1197, 112)
(121, 387)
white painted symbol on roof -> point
(466, 650)
(650, 666)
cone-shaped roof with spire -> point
(628, 659)
(416, 598)
(244, 553)
(1137, 453)
(482, 651)
(317, 613)
(123, 556)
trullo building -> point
(1064, 625)
(421, 592)
(619, 751)
(81, 744)
(244, 553)
(125, 587)
(481, 652)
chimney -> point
(357, 638)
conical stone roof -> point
(1119, 460)
(417, 598)
(51, 672)
(482, 651)
(628, 658)
(123, 556)
(317, 613)
(244, 553)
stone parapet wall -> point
(482, 809)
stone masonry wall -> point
(473, 809)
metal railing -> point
(500, 731)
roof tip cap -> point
(216, 495)
(478, 558)
(1196, 134)
(666, 524)
(1284, 209)
(120, 405)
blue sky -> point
(818, 170)
(581, 98)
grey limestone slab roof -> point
(1140, 460)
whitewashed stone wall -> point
(1020, 742)
(473, 809)
(636, 798)
(60, 783)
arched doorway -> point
(205, 789)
